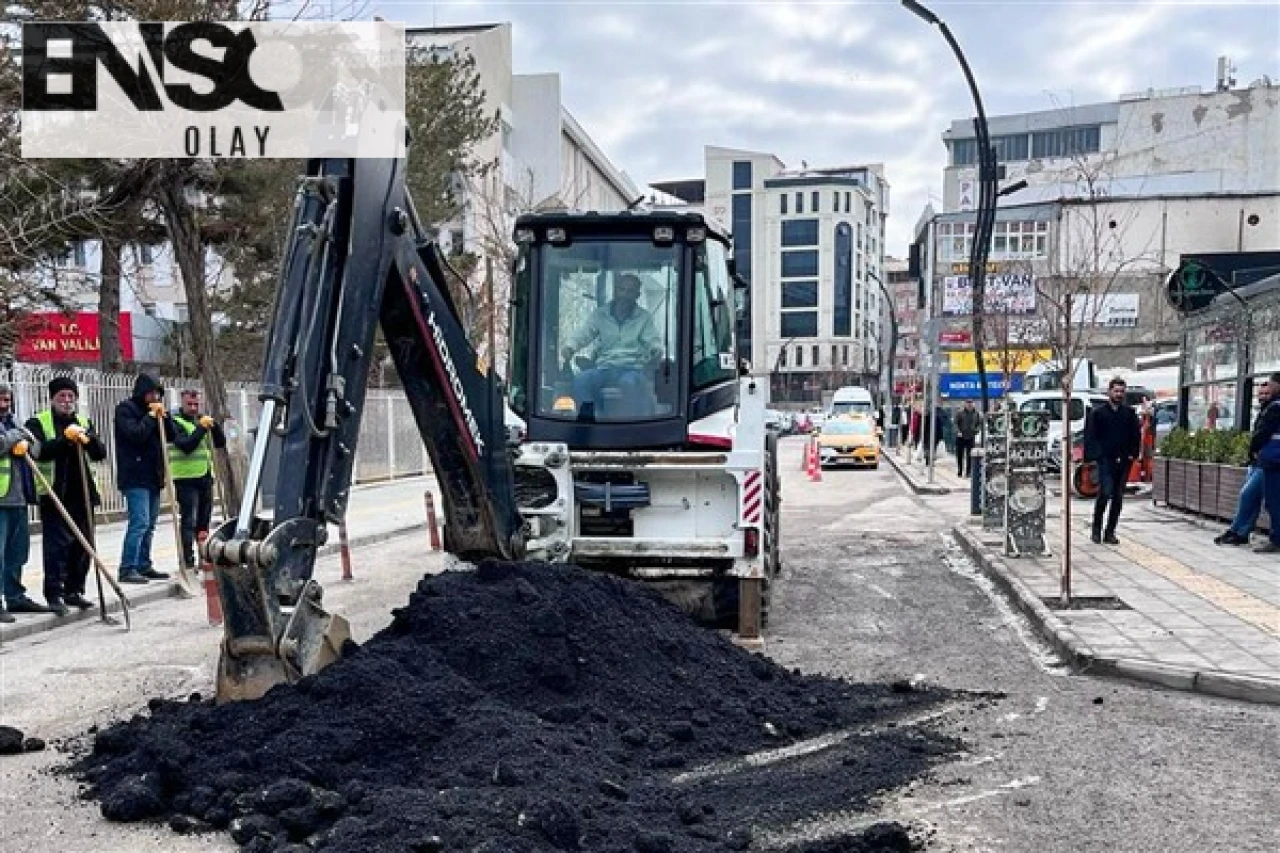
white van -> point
(852, 400)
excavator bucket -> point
(313, 638)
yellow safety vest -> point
(193, 465)
(46, 468)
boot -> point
(56, 606)
(5, 616)
(78, 600)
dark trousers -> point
(1113, 475)
(195, 505)
(66, 564)
(963, 446)
(1271, 497)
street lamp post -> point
(986, 195)
(777, 365)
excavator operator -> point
(627, 344)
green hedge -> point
(1225, 447)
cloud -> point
(835, 83)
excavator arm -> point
(356, 260)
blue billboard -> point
(961, 386)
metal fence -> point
(390, 446)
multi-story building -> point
(1116, 193)
(543, 156)
(904, 289)
(810, 244)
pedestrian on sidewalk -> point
(140, 474)
(966, 433)
(1249, 504)
(1112, 440)
(17, 492)
(1265, 445)
(61, 433)
(191, 463)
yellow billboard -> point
(1016, 360)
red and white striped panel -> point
(752, 497)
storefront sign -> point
(955, 338)
(1112, 310)
(997, 360)
(964, 386)
(52, 338)
(1006, 293)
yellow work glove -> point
(76, 432)
(206, 422)
(20, 449)
(157, 410)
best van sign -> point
(213, 89)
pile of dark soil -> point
(513, 709)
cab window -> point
(713, 360)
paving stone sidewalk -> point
(375, 512)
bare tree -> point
(1086, 261)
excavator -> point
(656, 467)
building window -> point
(1010, 147)
(800, 324)
(799, 202)
(847, 202)
(800, 232)
(844, 355)
(741, 228)
(835, 201)
(816, 359)
(782, 357)
(800, 294)
(79, 254)
(800, 264)
(799, 350)
(146, 255)
(782, 199)
(1067, 141)
(816, 204)
(843, 296)
(742, 174)
(835, 352)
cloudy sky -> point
(835, 83)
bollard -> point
(975, 481)
(212, 599)
(344, 550)
(432, 528)
(815, 462)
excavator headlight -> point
(557, 235)
(696, 235)
(664, 234)
(525, 236)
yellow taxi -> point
(849, 440)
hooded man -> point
(140, 474)
(60, 432)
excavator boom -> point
(356, 260)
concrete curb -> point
(1084, 660)
(920, 488)
(29, 624)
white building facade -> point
(810, 242)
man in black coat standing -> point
(1112, 439)
(140, 474)
(60, 433)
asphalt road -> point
(873, 589)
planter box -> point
(1193, 494)
(1176, 493)
(1230, 482)
(1160, 480)
(1209, 478)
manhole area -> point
(1085, 602)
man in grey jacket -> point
(17, 492)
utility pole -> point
(932, 324)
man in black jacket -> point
(191, 464)
(140, 474)
(1112, 439)
(967, 422)
(60, 433)
(1263, 447)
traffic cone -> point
(815, 463)
(212, 599)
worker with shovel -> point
(140, 474)
(191, 463)
(17, 492)
(66, 441)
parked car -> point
(1166, 414)
(849, 440)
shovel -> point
(182, 584)
(91, 532)
(84, 543)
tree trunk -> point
(109, 306)
(188, 250)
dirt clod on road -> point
(520, 708)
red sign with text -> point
(52, 338)
(955, 337)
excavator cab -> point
(621, 328)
